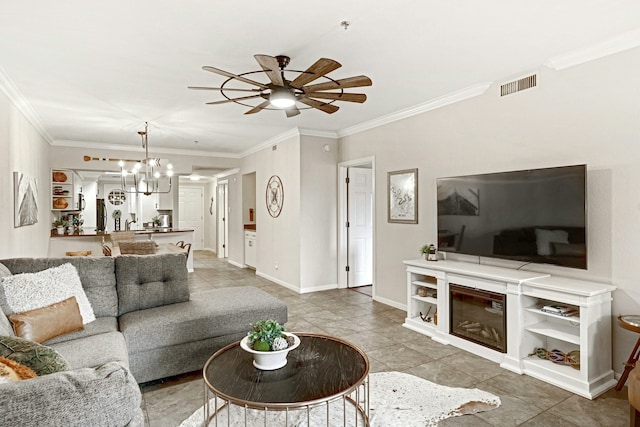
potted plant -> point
(60, 225)
(424, 250)
(269, 344)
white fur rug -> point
(396, 399)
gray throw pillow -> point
(42, 359)
(4, 271)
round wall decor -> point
(275, 196)
(117, 197)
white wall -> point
(585, 114)
(23, 150)
(318, 213)
(298, 249)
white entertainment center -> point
(528, 327)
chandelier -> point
(146, 176)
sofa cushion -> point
(209, 314)
(104, 396)
(100, 326)
(147, 281)
(43, 324)
(4, 271)
(96, 275)
(42, 359)
(28, 291)
(94, 350)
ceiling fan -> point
(283, 94)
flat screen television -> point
(531, 216)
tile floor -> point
(377, 329)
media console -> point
(431, 306)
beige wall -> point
(23, 150)
(585, 114)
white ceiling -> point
(93, 72)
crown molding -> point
(226, 173)
(626, 41)
(291, 133)
(18, 99)
(319, 133)
(176, 151)
(450, 98)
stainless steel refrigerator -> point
(101, 216)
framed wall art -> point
(403, 196)
(25, 204)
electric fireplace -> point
(478, 316)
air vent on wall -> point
(518, 85)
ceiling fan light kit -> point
(283, 94)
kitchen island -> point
(59, 245)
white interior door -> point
(360, 230)
(223, 200)
(191, 214)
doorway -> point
(191, 213)
(223, 227)
(357, 216)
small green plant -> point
(156, 220)
(267, 335)
(424, 249)
(60, 223)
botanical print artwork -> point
(25, 190)
(403, 196)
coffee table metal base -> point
(215, 407)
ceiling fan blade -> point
(222, 88)
(271, 68)
(321, 67)
(224, 101)
(234, 76)
(292, 111)
(349, 97)
(327, 108)
(258, 108)
(356, 81)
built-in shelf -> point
(557, 331)
(537, 310)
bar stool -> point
(631, 323)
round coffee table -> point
(323, 371)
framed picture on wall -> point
(402, 188)
(25, 203)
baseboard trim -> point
(391, 303)
(278, 281)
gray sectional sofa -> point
(147, 327)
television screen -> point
(536, 215)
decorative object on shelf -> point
(269, 344)
(403, 196)
(571, 358)
(424, 250)
(422, 292)
(426, 317)
(275, 196)
(146, 174)
(116, 219)
(283, 94)
(25, 203)
(59, 176)
(432, 255)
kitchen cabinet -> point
(250, 250)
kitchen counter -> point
(59, 245)
(138, 232)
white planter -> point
(60, 230)
(269, 360)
